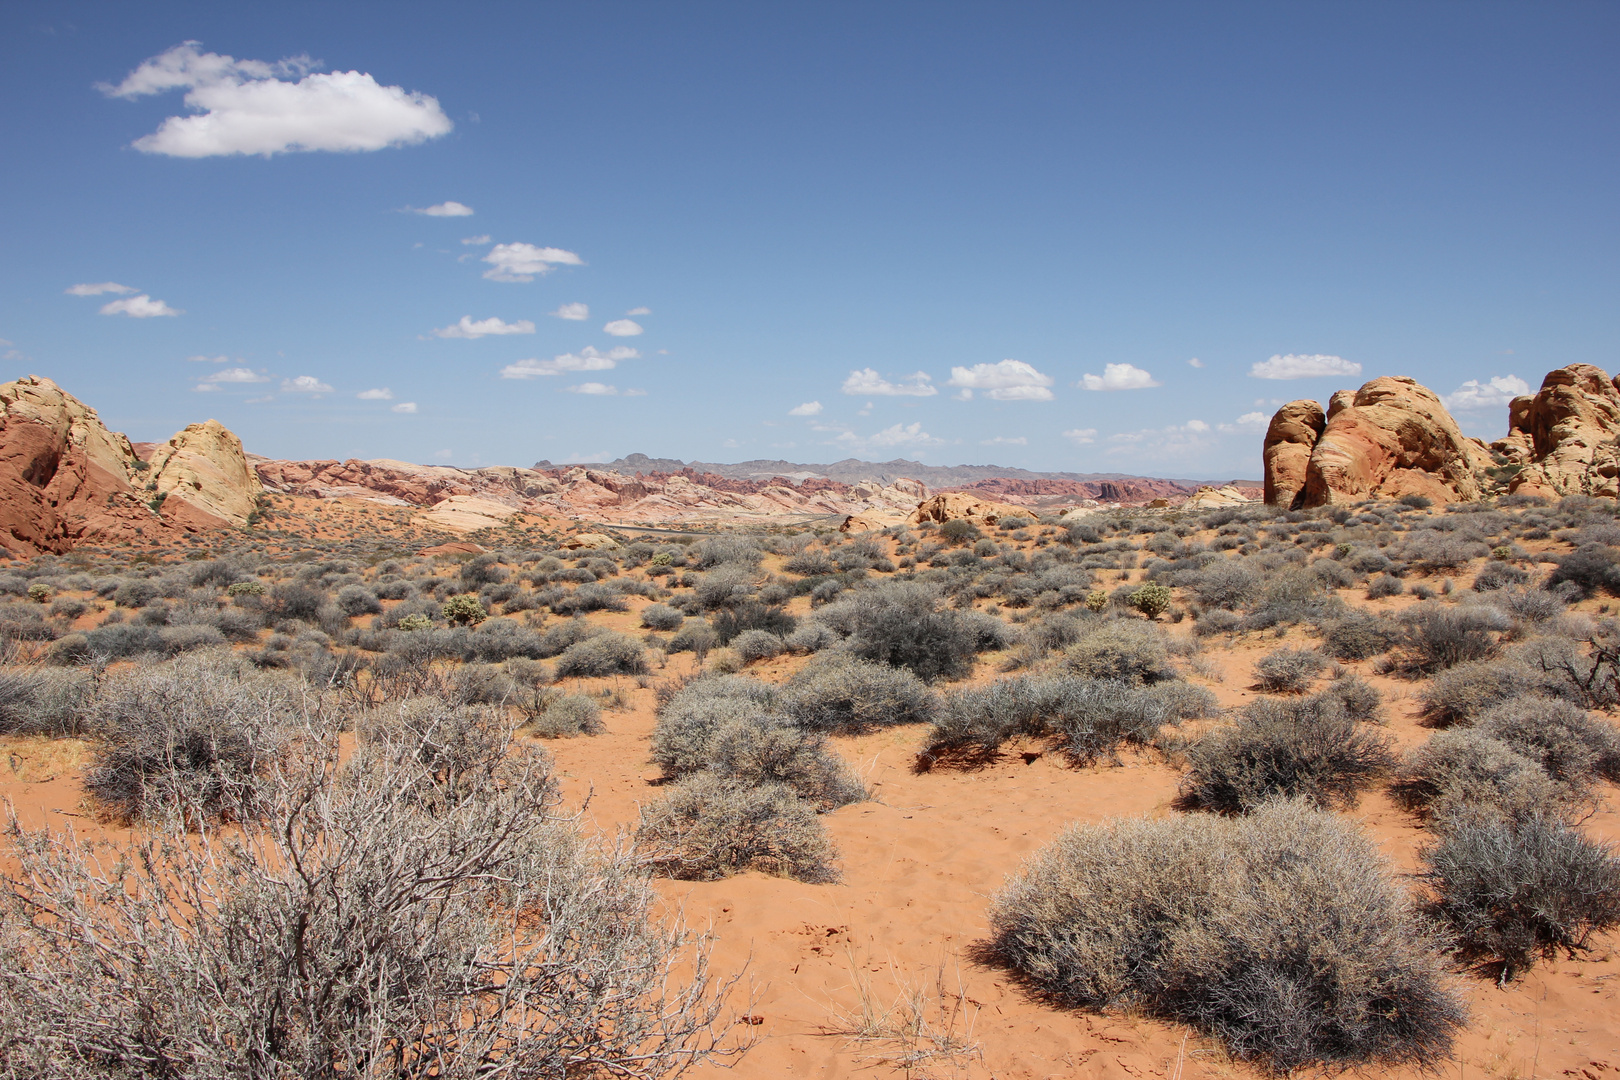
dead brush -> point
(927, 1025)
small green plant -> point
(417, 621)
(245, 588)
(156, 502)
(1096, 600)
(39, 592)
(1150, 600)
(463, 611)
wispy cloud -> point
(1494, 393)
(809, 408)
(587, 359)
(254, 107)
(98, 289)
(1248, 422)
(490, 327)
(867, 382)
(1195, 362)
(1006, 380)
(1305, 366)
(304, 384)
(1081, 436)
(593, 388)
(1180, 442)
(622, 328)
(382, 393)
(1004, 440)
(475, 241)
(140, 307)
(1119, 377)
(573, 312)
(898, 435)
(450, 208)
(639, 311)
(237, 375)
(200, 359)
(522, 262)
(405, 407)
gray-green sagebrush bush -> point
(843, 694)
(712, 826)
(44, 701)
(1283, 933)
(376, 900)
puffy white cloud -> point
(622, 328)
(521, 262)
(98, 288)
(1304, 366)
(470, 329)
(252, 107)
(304, 384)
(475, 241)
(1195, 362)
(1119, 377)
(1492, 394)
(911, 435)
(867, 382)
(1006, 380)
(1081, 436)
(450, 208)
(205, 388)
(1003, 440)
(573, 312)
(200, 359)
(236, 375)
(639, 311)
(1249, 421)
(596, 388)
(404, 407)
(809, 408)
(379, 394)
(587, 359)
(139, 307)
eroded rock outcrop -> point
(1392, 437)
(1563, 437)
(204, 466)
(960, 506)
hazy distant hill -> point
(854, 470)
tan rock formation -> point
(204, 465)
(960, 506)
(1292, 434)
(1393, 437)
(467, 513)
(1563, 437)
(1212, 498)
(589, 541)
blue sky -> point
(1050, 211)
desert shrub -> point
(959, 531)
(567, 634)
(754, 645)
(717, 550)
(810, 562)
(463, 611)
(1434, 638)
(1289, 671)
(1459, 694)
(661, 617)
(695, 636)
(688, 721)
(1284, 934)
(1415, 501)
(1463, 772)
(194, 736)
(1384, 585)
(357, 600)
(812, 635)
(415, 621)
(1307, 748)
(904, 624)
(709, 828)
(1498, 575)
(603, 654)
(1590, 568)
(43, 701)
(1150, 600)
(136, 592)
(1227, 584)
(482, 569)
(1361, 699)
(1528, 604)
(767, 749)
(566, 716)
(1121, 651)
(727, 584)
(1359, 635)
(589, 597)
(748, 615)
(1573, 746)
(295, 600)
(245, 588)
(1513, 890)
(495, 640)
(484, 905)
(846, 695)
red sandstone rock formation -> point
(1563, 437)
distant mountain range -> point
(854, 471)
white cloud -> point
(622, 328)
(573, 312)
(304, 384)
(200, 359)
(596, 388)
(1119, 377)
(236, 375)
(867, 381)
(205, 388)
(469, 329)
(139, 307)
(1303, 366)
(449, 209)
(521, 262)
(635, 393)
(911, 435)
(1003, 440)
(380, 394)
(474, 241)
(1184, 442)
(404, 407)
(99, 288)
(1249, 421)
(1195, 362)
(809, 408)
(1007, 380)
(587, 359)
(639, 311)
(249, 107)
(1495, 393)
(1081, 436)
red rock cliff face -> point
(1563, 436)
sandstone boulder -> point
(1212, 498)
(467, 513)
(1563, 437)
(204, 465)
(1289, 440)
(960, 506)
(589, 541)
